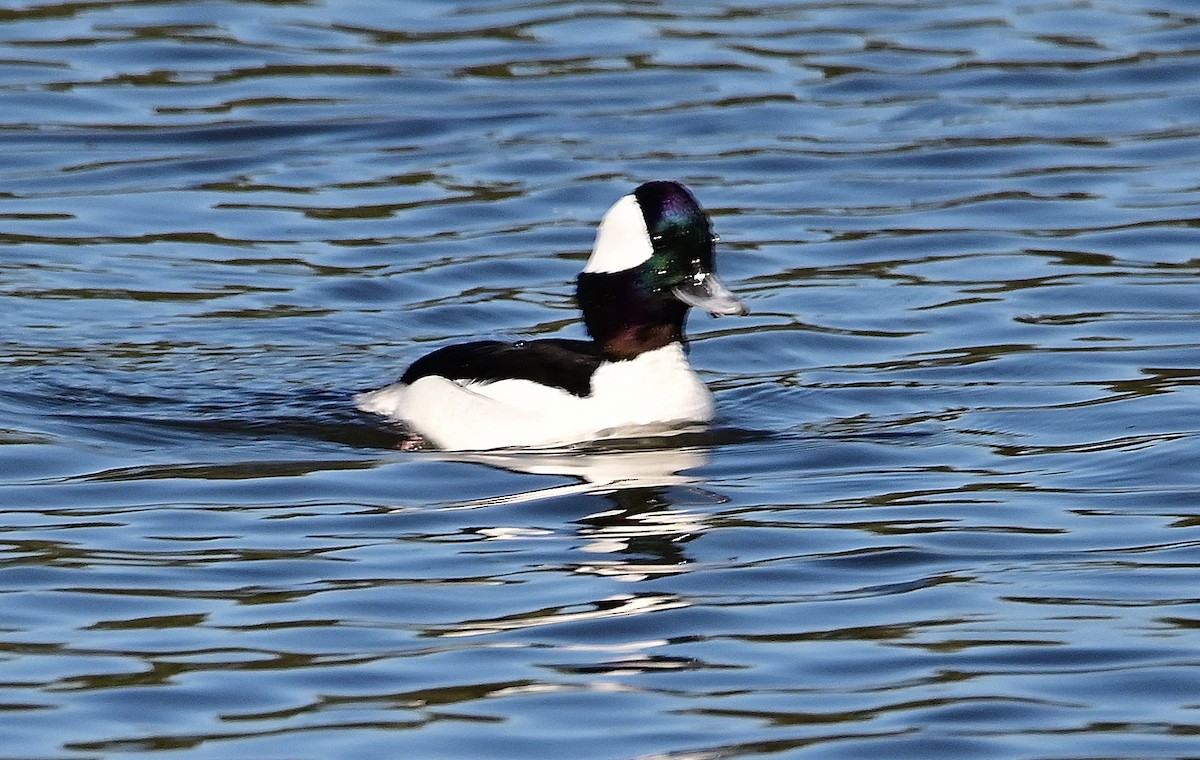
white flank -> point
(622, 240)
(653, 394)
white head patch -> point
(622, 240)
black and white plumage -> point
(651, 262)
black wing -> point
(566, 364)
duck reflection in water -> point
(644, 492)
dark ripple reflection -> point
(950, 508)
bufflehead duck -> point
(652, 260)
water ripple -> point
(948, 507)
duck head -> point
(652, 261)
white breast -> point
(656, 392)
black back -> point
(566, 364)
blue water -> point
(951, 505)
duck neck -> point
(625, 317)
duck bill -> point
(706, 292)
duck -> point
(653, 260)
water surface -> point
(950, 505)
